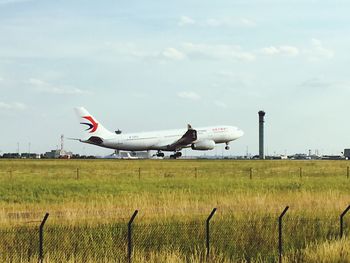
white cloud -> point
(270, 50)
(220, 104)
(316, 83)
(281, 50)
(217, 52)
(188, 50)
(345, 85)
(38, 82)
(128, 49)
(315, 52)
(289, 50)
(217, 22)
(247, 22)
(185, 20)
(320, 83)
(45, 87)
(1, 79)
(318, 51)
(189, 95)
(138, 52)
(12, 106)
(214, 22)
(229, 22)
(172, 53)
(61, 91)
(316, 42)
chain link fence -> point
(250, 239)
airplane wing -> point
(186, 139)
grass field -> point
(86, 197)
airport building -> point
(54, 154)
(30, 156)
(59, 153)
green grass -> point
(89, 210)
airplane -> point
(201, 139)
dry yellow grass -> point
(167, 192)
(113, 189)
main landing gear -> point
(176, 155)
(160, 154)
(227, 147)
(173, 156)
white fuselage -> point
(158, 140)
(201, 139)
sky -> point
(152, 65)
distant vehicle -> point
(168, 140)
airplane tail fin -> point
(92, 127)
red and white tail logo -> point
(93, 125)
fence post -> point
(251, 173)
(300, 172)
(41, 238)
(195, 172)
(347, 172)
(208, 232)
(77, 173)
(280, 234)
(139, 173)
(342, 221)
(130, 234)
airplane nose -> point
(240, 133)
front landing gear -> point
(176, 155)
(227, 147)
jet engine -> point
(203, 145)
